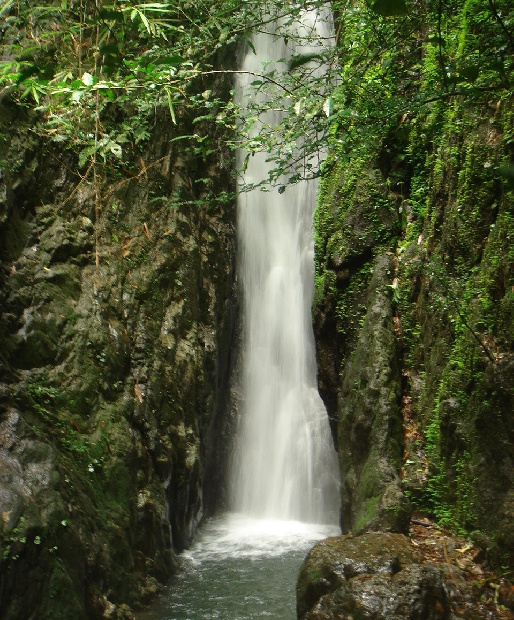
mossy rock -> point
(369, 577)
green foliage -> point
(94, 64)
(12, 543)
(54, 418)
(96, 73)
(423, 106)
(388, 8)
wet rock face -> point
(114, 364)
(358, 353)
(370, 425)
(370, 577)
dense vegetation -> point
(421, 171)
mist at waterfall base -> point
(240, 568)
(283, 482)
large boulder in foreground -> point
(375, 576)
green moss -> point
(60, 600)
(448, 164)
(368, 511)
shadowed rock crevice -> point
(370, 425)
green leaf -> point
(27, 72)
(35, 94)
(328, 106)
(171, 61)
(87, 79)
(115, 149)
(389, 8)
(155, 6)
(301, 59)
(76, 95)
(145, 21)
(299, 105)
(6, 6)
(170, 105)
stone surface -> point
(450, 310)
(370, 423)
(115, 356)
(370, 577)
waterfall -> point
(284, 464)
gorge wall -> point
(118, 309)
(414, 304)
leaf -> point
(76, 95)
(389, 8)
(301, 59)
(251, 46)
(170, 105)
(88, 79)
(328, 106)
(225, 31)
(155, 6)
(115, 149)
(6, 6)
(35, 94)
(85, 154)
(145, 21)
(26, 73)
(171, 61)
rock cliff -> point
(117, 297)
(414, 303)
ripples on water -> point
(240, 569)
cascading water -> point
(284, 465)
(284, 491)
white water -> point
(284, 465)
(240, 569)
(284, 491)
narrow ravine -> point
(283, 480)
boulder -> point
(376, 576)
